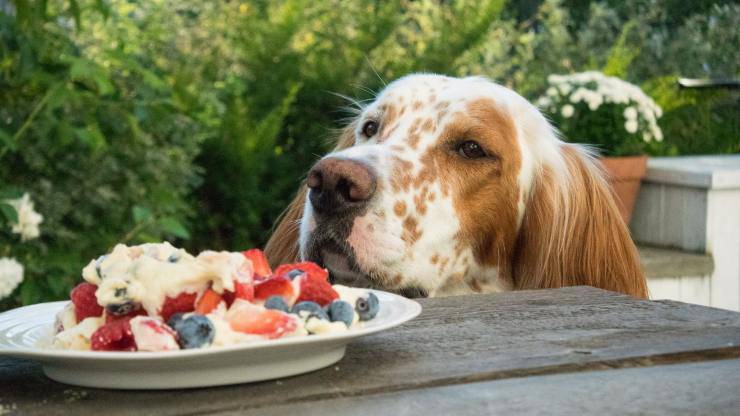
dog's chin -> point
(344, 271)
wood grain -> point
(709, 388)
(455, 341)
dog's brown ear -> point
(282, 247)
(573, 234)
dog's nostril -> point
(344, 189)
(362, 190)
(314, 179)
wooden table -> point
(568, 351)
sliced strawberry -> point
(184, 302)
(109, 317)
(316, 290)
(86, 304)
(114, 336)
(244, 291)
(259, 263)
(275, 286)
(208, 302)
(270, 323)
(312, 269)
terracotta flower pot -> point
(625, 176)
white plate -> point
(23, 330)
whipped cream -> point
(149, 273)
(152, 335)
(317, 326)
(66, 318)
(78, 336)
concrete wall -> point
(693, 204)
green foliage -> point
(133, 121)
(90, 140)
(621, 54)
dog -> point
(446, 186)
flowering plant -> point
(23, 220)
(610, 113)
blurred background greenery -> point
(195, 121)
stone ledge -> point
(707, 172)
(664, 262)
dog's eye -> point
(470, 149)
(370, 128)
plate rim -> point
(413, 307)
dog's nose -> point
(339, 184)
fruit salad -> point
(155, 297)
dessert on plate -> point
(155, 297)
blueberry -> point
(195, 331)
(277, 302)
(313, 309)
(295, 273)
(123, 308)
(367, 307)
(342, 311)
(175, 318)
(173, 258)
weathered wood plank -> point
(456, 340)
(679, 389)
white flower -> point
(658, 133)
(565, 88)
(11, 275)
(28, 219)
(552, 92)
(578, 95)
(543, 102)
(567, 111)
(630, 113)
(631, 126)
(594, 101)
(646, 137)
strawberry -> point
(114, 336)
(275, 286)
(184, 302)
(312, 269)
(315, 290)
(208, 302)
(228, 296)
(85, 302)
(266, 322)
(244, 291)
(259, 263)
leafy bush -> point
(102, 149)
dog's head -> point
(435, 184)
